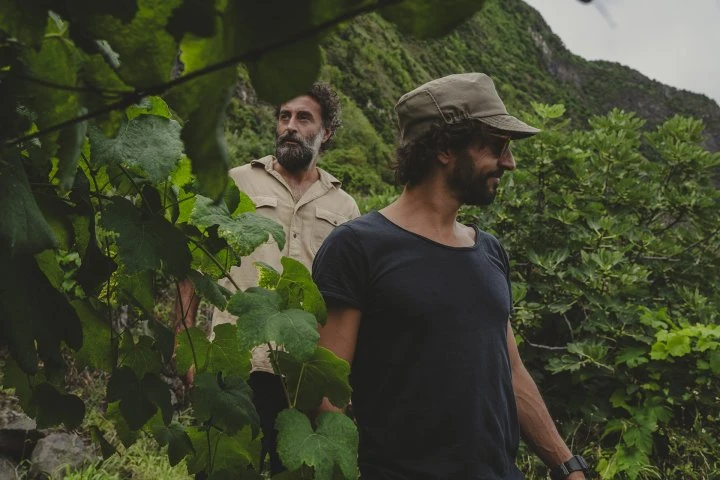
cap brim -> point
(512, 126)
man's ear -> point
(327, 134)
(445, 157)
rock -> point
(7, 469)
(17, 434)
(57, 451)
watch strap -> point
(575, 464)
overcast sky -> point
(676, 42)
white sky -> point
(676, 42)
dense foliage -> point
(614, 240)
(134, 187)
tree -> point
(95, 163)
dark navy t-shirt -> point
(432, 387)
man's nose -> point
(292, 124)
(507, 161)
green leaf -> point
(268, 277)
(54, 407)
(99, 439)
(158, 393)
(147, 51)
(225, 356)
(229, 452)
(23, 229)
(333, 442)
(323, 375)
(146, 243)
(148, 144)
(71, 143)
(97, 347)
(209, 289)
(136, 289)
(297, 287)
(155, 106)
(140, 357)
(284, 73)
(127, 435)
(243, 233)
(136, 409)
(225, 400)
(184, 353)
(430, 18)
(260, 321)
(177, 440)
(25, 20)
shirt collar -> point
(325, 178)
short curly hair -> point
(415, 160)
(329, 102)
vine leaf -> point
(140, 357)
(23, 229)
(99, 439)
(125, 433)
(333, 442)
(96, 350)
(71, 142)
(149, 144)
(224, 400)
(225, 356)
(25, 21)
(323, 375)
(243, 233)
(146, 243)
(54, 407)
(146, 50)
(177, 440)
(298, 289)
(209, 289)
(229, 452)
(430, 18)
(154, 106)
(125, 387)
(184, 354)
(261, 321)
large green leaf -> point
(177, 440)
(224, 400)
(233, 453)
(323, 375)
(97, 347)
(23, 229)
(202, 102)
(141, 356)
(25, 21)
(333, 443)
(297, 287)
(261, 321)
(430, 18)
(125, 387)
(225, 355)
(71, 143)
(244, 233)
(188, 341)
(54, 408)
(146, 243)
(149, 144)
(147, 51)
(209, 289)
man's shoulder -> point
(246, 175)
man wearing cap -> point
(420, 304)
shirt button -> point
(294, 235)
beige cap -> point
(453, 99)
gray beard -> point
(294, 158)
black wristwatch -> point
(575, 464)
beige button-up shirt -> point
(306, 223)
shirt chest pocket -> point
(267, 207)
(323, 223)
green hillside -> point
(372, 64)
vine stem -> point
(300, 379)
(139, 93)
(276, 367)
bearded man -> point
(420, 304)
(308, 202)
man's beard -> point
(296, 156)
(471, 188)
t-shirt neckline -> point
(430, 241)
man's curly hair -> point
(329, 102)
(415, 160)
